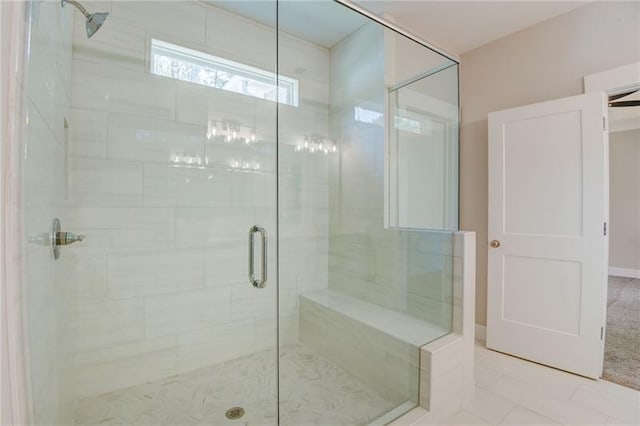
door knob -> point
(495, 243)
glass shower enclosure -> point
(266, 193)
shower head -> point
(94, 20)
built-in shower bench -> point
(388, 351)
(378, 346)
(395, 324)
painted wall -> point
(160, 286)
(543, 62)
(624, 240)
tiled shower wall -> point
(404, 270)
(159, 285)
(43, 153)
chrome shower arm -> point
(78, 6)
(94, 20)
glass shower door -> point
(360, 293)
(155, 139)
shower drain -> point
(234, 413)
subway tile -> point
(241, 159)
(48, 90)
(167, 186)
(44, 163)
(402, 378)
(85, 276)
(96, 182)
(346, 349)
(121, 366)
(102, 324)
(205, 227)
(288, 330)
(121, 229)
(170, 21)
(226, 264)
(120, 90)
(87, 134)
(267, 332)
(397, 349)
(198, 104)
(117, 44)
(141, 274)
(443, 358)
(445, 393)
(252, 190)
(173, 313)
(214, 344)
(151, 140)
(241, 39)
(251, 302)
(313, 327)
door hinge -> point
(601, 333)
(605, 229)
(604, 123)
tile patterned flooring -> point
(313, 391)
(513, 391)
(509, 391)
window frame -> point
(208, 60)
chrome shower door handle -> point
(262, 282)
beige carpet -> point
(622, 344)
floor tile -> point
(489, 406)
(560, 410)
(313, 391)
(524, 416)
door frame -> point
(611, 82)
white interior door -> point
(548, 250)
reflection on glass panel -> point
(367, 296)
(423, 153)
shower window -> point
(181, 63)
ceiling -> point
(321, 22)
(460, 26)
(455, 26)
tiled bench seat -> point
(378, 346)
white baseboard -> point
(481, 332)
(624, 272)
